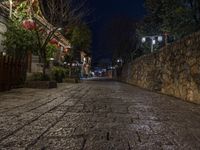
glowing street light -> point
(153, 40)
(143, 40)
(160, 38)
(119, 62)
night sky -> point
(103, 11)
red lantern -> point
(29, 24)
(53, 41)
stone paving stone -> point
(120, 118)
(120, 108)
(96, 116)
(24, 137)
(56, 143)
(60, 132)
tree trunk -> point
(70, 70)
(43, 58)
(44, 69)
(29, 57)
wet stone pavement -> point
(97, 115)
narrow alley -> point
(96, 115)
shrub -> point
(59, 73)
(76, 71)
(51, 50)
(18, 41)
(39, 77)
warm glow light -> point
(4, 53)
(84, 59)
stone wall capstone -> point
(173, 70)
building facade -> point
(61, 43)
(85, 60)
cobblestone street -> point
(97, 115)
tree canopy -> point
(81, 37)
(177, 17)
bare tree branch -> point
(63, 13)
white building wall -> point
(2, 30)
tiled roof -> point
(58, 35)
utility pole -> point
(153, 40)
(166, 38)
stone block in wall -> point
(192, 61)
(195, 69)
(196, 80)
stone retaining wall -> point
(173, 70)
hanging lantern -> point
(29, 24)
(53, 41)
